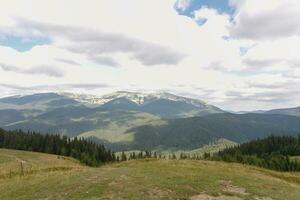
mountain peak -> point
(138, 98)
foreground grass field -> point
(51, 177)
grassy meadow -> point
(49, 177)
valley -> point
(137, 121)
(150, 100)
(176, 128)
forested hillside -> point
(85, 151)
(273, 152)
(286, 111)
(191, 133)
(133, 121)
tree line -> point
(273, 152)
(84, 150)
(136, 155)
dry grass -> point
(50, 177)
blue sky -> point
(21, 45)
(241, 59)
(220, 5)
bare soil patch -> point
(208, 197)
(228, 187)
(158, 193)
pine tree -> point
(123, 156)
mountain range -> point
(132, 120)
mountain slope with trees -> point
(133, 121)
(191, 133)
(285, 111)
(273, 152)
(86, 151)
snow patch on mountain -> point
(138, 98)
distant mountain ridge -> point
(159, 103)
(135, 120)
(136, 97)
(286, 111)
(190, 133)
(107, 116)
(282, 111)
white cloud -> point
(182, 5)
(267, 19)
(276, 56)
(99, 46)
(44, 70)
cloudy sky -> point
(236, 54)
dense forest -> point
(273, 152)
(192, 133)
(85, 151)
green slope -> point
(32, 163)
(45, 178)
(212, 147)
(286, 111)
(297, 158)
(117, 130)
(132, 130)
(192, 133)
(84, 121)
(123, 129)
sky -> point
(235, 54)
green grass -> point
(209, 148)
(50, 177)
(11, 160)
(117, 129)
(297, 158)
